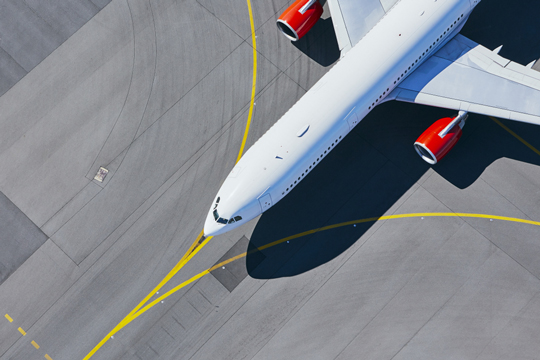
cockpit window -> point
(217, 200)
(222, 221)
(237, 218)
(232, 221)
(216, 215)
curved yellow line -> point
(254, 83)
(195, 247)
(326, 228)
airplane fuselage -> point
(404, 38)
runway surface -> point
(159, 94)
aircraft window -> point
(451, 25)
(395, 82)
(237, 218)
(314, 162)
(340, 137)
(455, 22)
(287, 189)
(405, 71)
(434, 43)
(222, 221)
(329, 148)
(424, 53)
(318, 158)
(384, 93)
(370, 108)
(416, 61)
(387, 89)
(445, 33)
(310, 166)
(376, 100)
(325, 151)
(217, 200)
(233, 221)
(298, 178)
(216, 215)
(283, 193)
(302, 174)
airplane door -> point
(352, 119)
(265, 202)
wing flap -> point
(466, 76)
(353, 19)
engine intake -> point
(299, 18)
(440, 138)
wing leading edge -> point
(464, 75)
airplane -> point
(404, 50)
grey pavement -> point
(158, 93)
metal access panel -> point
(266, 202)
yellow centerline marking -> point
(326, 228)
(35, 344)
(8, 318)
(22, 331)
(48, 357)
(197, 245)
(515, 135)
(254, 83)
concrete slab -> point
(171, 140)
(19, 237)
(11, 71)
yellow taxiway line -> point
(515, 135)
(197, 245)
(326, 228)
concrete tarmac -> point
(158, 93)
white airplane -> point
(406, 50)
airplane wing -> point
(355, 18)
(466, 76)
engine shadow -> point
(320, 43)
(376, 164)
(365, 175)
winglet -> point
(497, 50)
(531, 64)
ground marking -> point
(515, 135)
(35, 344)
(22, 331)
(196, 246)
(8, 318)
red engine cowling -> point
(299, 18)
(440, 138)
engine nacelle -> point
(440, 138)
(299, 18)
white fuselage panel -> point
(283, 156)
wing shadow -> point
(375, 165)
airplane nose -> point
(211, 227)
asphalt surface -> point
(158, 93)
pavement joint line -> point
(127, 320)
(197, 244)
(8, 318)
(498, 122)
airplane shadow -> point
(371, 169)
(320, 43)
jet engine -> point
(299, 18)
(440, 138)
